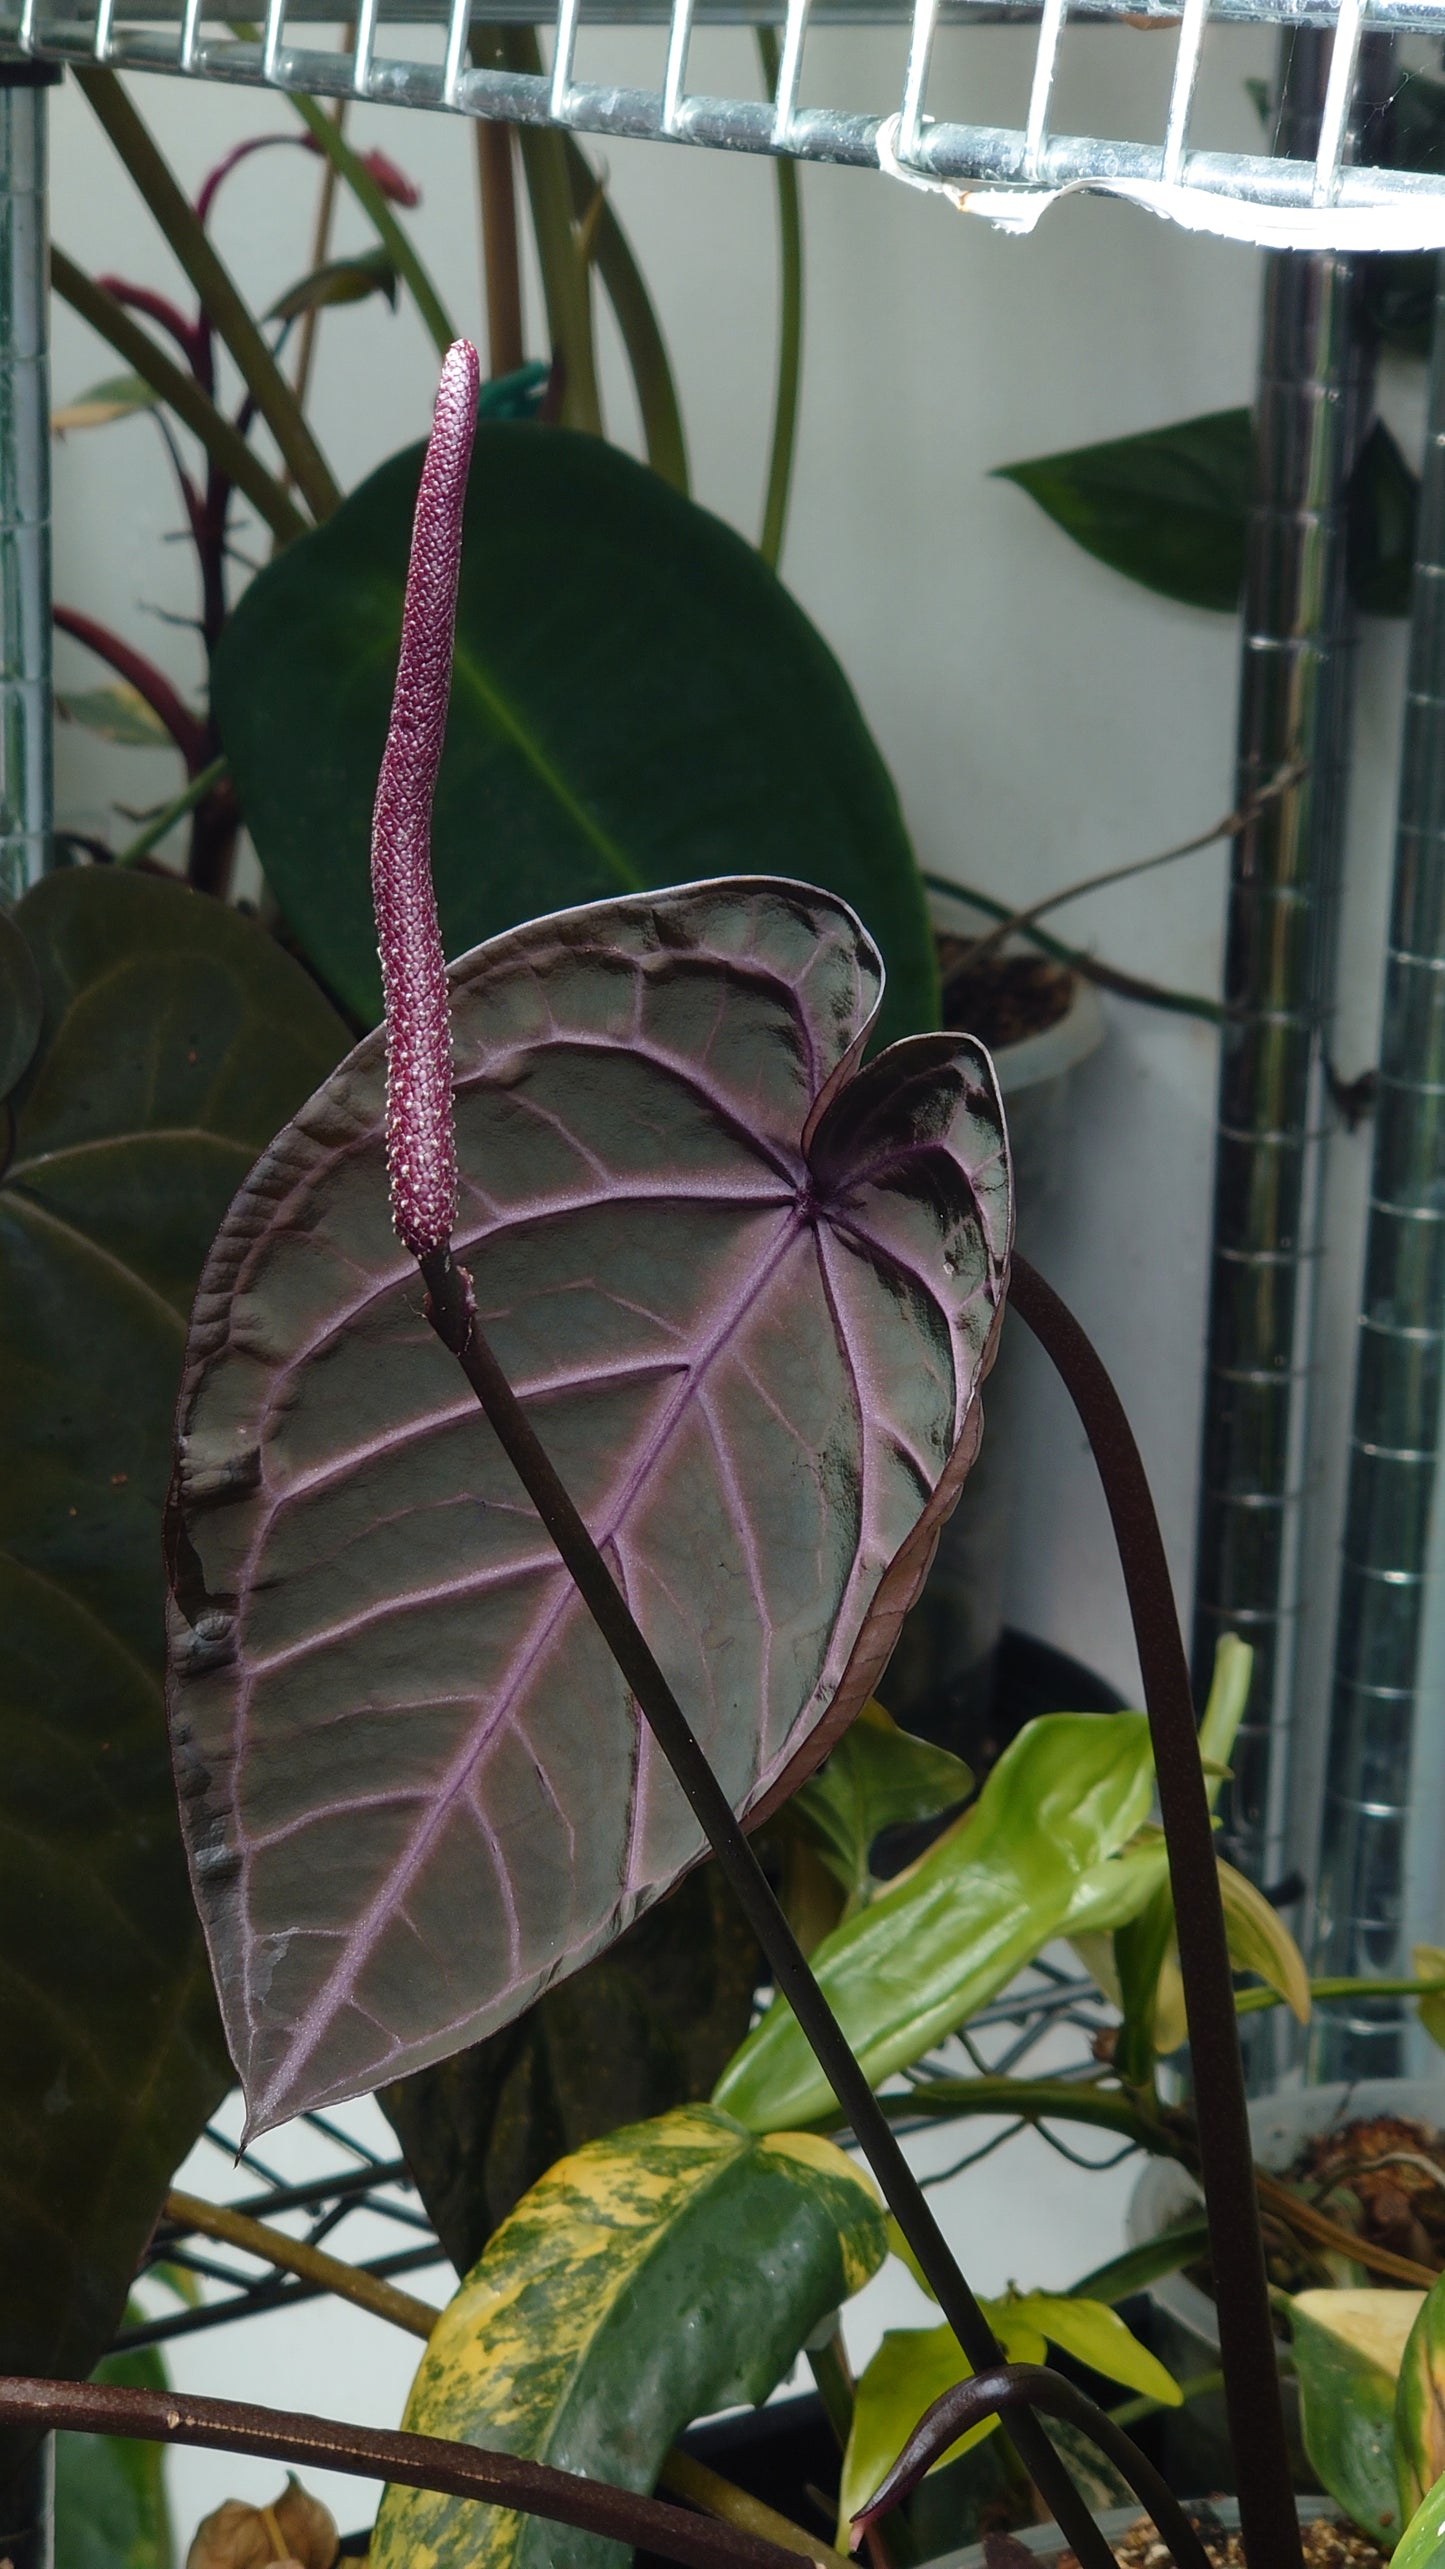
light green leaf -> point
(1347, 2349)
(1422, 2544)
(1259, 1941)
(1095, 2335)
(953, 1930)
(1428, 1963)
(119, 397)
(875, 1777)
(1225, 1709)
(912, 2368)
(118, 712)
(664, 2272)
(1420, 2401)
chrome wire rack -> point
(1049, 2010)
(415, 53)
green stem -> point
(354, 172)
(220, 300)
(637, 322)
(155, 829)
(566, 272)
(790, 329)
(1249, 2001)
(1038, 2100)
(1125, 985)
(226, 447)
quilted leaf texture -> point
(747, 1292)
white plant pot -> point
(1186, 2331)
(1044, 2541)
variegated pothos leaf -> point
(669, 2270)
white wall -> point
(1042, 717)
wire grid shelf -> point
(1044, 2009)
(416, 53)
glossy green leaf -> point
(1347, 2348)
(667, 2271)
(22, 1006)
(1137, 2268)
(116, 713)
(636, 702)
(111, 2510)
(1422, 2544)
(1420, 2403)
(647, 2026)
(339, 281)
(175, 1036)
(877, 1776)
(1167, 508)
(951, 1931)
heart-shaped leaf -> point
(747, 1292)
(636, 701)
(655, 2276)
(173, 1035)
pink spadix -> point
(420, 1134)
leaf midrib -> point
(506, 720)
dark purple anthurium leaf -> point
(747, 1292)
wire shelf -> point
(360, 2184)
(415, 53)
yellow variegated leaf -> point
(1259, 1941)
(667, 2271)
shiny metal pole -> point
(1295, 697)
(1380, 1853)
(25, 679)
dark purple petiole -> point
(420, 1135)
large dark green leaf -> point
(665, 2272)
(1167, 509)
(175, 1035)
(1170, 509)
(647, 2026)
(636, 702)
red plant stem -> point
(240, 152)
(189, 336)
(186, 729)
(451, 1312)
(414, 2461)
(1011, 2386)
(1269, 2525)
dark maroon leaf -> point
(748, 1298)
